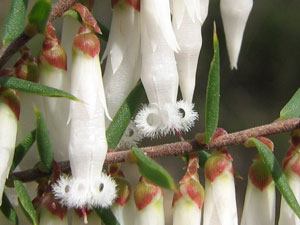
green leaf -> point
(203, 156)
(277, 174)
(122, 118)
(152, 170)
(22, 148)
(38, 16)
(107, 216)
(25, 201)
(43, 141)
(8, 210)
(292, 108)
(33, 88)
(213, 93)
(15, 21)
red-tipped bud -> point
(136, 4)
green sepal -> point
(152, 171)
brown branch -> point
(183, 147)
(5, 53)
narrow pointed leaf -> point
(33, 88)
(8, 210)
(203, 156)
(277, 174)
(15, 21)
(25, 201)
(213, 93)
(22, 148)
(122, 118)
(292, 108)
(43, 141)
(107, 216)
(152, 170)
(38, 16)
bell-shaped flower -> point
(148, 199)
(291, 165)
(53, 73)
(189, 196)
(124, 203)
(234, 16)
(220, 201)
(9, 117)
(159, 74)
(122, 70)
(88, 187)
(260, 199)
(188, 17)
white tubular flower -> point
(79, 219)
(234, 16)
(53, 73)
(87, 187)
(291, 165)
(187, 23)
(9, 116)
(220, 202)
(260, 200)
(159, 72)
(149, 203)
(122, 70)
(47, 218)
(189, 196)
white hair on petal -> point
(60, 189)
(188, 116)
(131, 137)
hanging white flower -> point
(148, 199)
(9, 116)
(159, 73)
(53, 73)
(188, 17)
(220, 201)
(122, 70)
(87, 187)
(291, 165)
(234, 16)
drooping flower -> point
(9, 117)
(220, 202)
(159, 73)
(260, 199)
(188, 17)
(291, 165)
(88, 187)
(189, 196)
(122, 70)
(234, 16)
(148, 199)
(53, 73)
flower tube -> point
(189, 196)
(79, 219)
(220, 202)
(87, 187)
(188, 17)
(148, 199)
(53, 73)
(234, 16)
(291, 165)
(159, 73)
(9, 117)
(260, 200)
(122, 70)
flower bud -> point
(220, 201)
(234, 16)
(291, 165)
(188, 197)
(148, 199)
(9, 116)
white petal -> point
(122, 212)
(8, 133)
(220, 202)
(259, 206)
(186, 212)
(234, 15)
